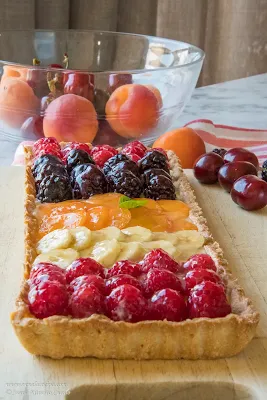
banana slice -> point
(63, 258)
(82, 238)
(170, 237)
(161, 244)
(189, 243)
(109, 233)
(106, 252)
(58, 239)
(132, 251)
(137, 234)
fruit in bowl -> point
(132, 110)
(71, 117)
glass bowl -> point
(93, 86)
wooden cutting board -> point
(243, 237)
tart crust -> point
(98, 336)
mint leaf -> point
(127, 202)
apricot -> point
(70, 219)
(17, 102)
(176, 207)
(156, 93)
(71, 118)
(12, 71)
(97, 218)
(182, 225)
(107, 200)
(119, 217)
(132, 110)
(185, 143)
(153, 220)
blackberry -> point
(53, 189)
(264, 171)
(42, 160)
(128, 165)
(89, 182)
(77, 171)
(125, 182)
(50, 169)
(113, 161)
(153, 159)
(160, 187)
(221, 152)
(150, 173)
(78, 157)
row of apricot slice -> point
(101, 211)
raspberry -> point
(47, 299)
(158, 258)
(106, 147)
(134, 157)
(42, 272)
(85, 301)
(94, 280)
(124, 267)
(208, 299)
(116, 281)
(74, 146)
(158, 279)
(46, 146)
(136, 148)
(101, 157)
(200, 261)
(196, 276)
(126, 303)
(83, 266)
(168, 304)
(161, 151)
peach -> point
(17, 102)
(132, 110)
(71, 118)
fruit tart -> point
(119, 260)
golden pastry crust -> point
(98, 336)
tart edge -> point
(98, 336)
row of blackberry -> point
(80, 178)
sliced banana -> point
(106, 252)
(82, 237)
(58, 239)
(109, 233)
(62, 258)
(133, 251)
(189, 243)
(169, 237)
(137, 234)
(161, 244)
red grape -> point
(232, 171)
(239, 154)
(250, 192)
(206, 167)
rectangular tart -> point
(98, 336)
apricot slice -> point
(150, 204)
(175, 206)
(107, 199)
(153, 220)
(182, 225)
(120, 217)
(97, 218)
(59, 221)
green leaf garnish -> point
(127, 202)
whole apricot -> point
(70, 118)
(17, 102)
(132, 110)
(185, 143)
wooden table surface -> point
(243, 237)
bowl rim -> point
(134, 71)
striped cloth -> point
(213, 136)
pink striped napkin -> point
(213, 136)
